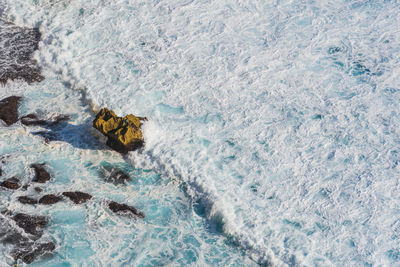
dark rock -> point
(16, 239)
(60, 118)
(32, 119)
(1, 172)
(38, 189)
(77, 197)
(11, 183)
(41, 175)
(9, 109)
(114, 175)
(30, 224)
(25, 187)
(18, 46)
(49, 199)
(124, 209)
(27, 200)
(29, 254)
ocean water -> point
(273, 133)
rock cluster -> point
(123, 134)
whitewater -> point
(278, 121)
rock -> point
(49, 199)
(41, 175)
(38, 189)
(32, 119)
(124, 209)
(77, 197)
(123, 134)
(30, 224)
(11, 183)
(9, 109)
(60, 118)
(29, 254)
(27, 200)
(1, 172)
(114, 175)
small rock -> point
(1, 172)
(114, 175)
(77, 197)
(60, 118)
(49, 199)
(38, 189)
(123, 134)
(124, 209)
(32, 119)
(11, 183)
(30, 224)
(9, 109)
(41, 175)
(27, 200)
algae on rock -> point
(123, 134)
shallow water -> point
(280, 119)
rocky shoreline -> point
(22, 231)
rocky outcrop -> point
(41, 175)
(34, 120)
(9, 109)
(114, 175)
(11, 183)
(123, 134)
(77, 197)
(27, 200)
(49, 199)
(124, 209)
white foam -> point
(282, 117)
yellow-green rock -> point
(123, 134)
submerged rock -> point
(123, 134)
(124, 209)
(49, 199)
(9, 109)
(32, 119)
(30, 253)
(114, 175)
(11, 183)
(41, 175)
(77, 197)
(27, 200)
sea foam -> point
(281, 118)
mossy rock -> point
(123, 134)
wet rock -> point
(60, 118)
(11, 183)
(77, 197)
(41, 175)
(32, 120)
(18, 46)
(49, 199)
(15, 238)
(27, 200)
(114, 175)
(123, 134)
(1, 172)
(30, 224)
(124, 209)
(38, 189)
(29, 254)
(9, 109)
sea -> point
(273, 132)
